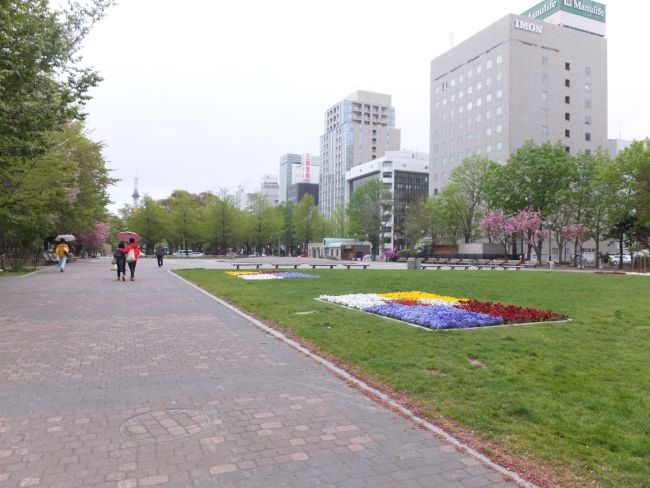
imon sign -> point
(584, 8)
(529, 26)
(306, 167)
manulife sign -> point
(584, 8)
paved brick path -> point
(153, 383)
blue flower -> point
(287, 274)
(434, 317)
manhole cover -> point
(165, 425)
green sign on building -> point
(584, 8)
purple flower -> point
(287, 274)
(434, 317)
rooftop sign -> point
(584, 8)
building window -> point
(499, 93)
(545, 113)
(499, 76)
(488, 114)
(544, 95)
(587, 71)
(488, 98)
(499, 110)
(567, 133)
(567, 116)
(544, 60)
(545, 130)
(470, 90)
(567, 66)
(500, 59)
(587, 119)
(587, 136)
(479, 69)
(567, 99)
(488, 65)
(588, 87)
(499, 146)
(587, 103)
(544, 79)
(567, 83)
(499, 128)
(567, 149)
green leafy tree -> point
(308, 221)
(287, 211)
(464, 196)
(223, 224)
(369, 212)
(42, 88)
(184, 222)
(340, 222)
(265, 224)
(151, 221)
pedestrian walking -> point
(160, 252)
(62, 251)
(132, 253)
(120, 261)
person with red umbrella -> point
(132, 252)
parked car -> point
(615, 258)
(182, 253)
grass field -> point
(569, 400)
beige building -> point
(359, 128)
(540, 76)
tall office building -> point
(406, 175)
(540, 76)
(357, 129)
(297, 169)
(269, 187)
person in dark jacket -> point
(160, 252)
(120, 261)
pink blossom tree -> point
(531, 226)
(578, 233)
(94, 237)
(500, 228)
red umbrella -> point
(125, 235)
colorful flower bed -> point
(268, 275)
(439, 311)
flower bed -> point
(268, 275)
(440, 311)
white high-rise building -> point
(540, 76)
(359, 128)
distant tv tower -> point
(136, 195)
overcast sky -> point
(206, 94)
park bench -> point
(355, 265)
(484, 263)
(286, 265)
(49, 258)
(511, 264)
(330, 266)
(432, 265)
(238, 265)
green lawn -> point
(572, 397)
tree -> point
(500, 228)
(95, 237)
(222, 224)
(340, 221)
(265, 223)
(429, 223)
(42, 87)
(369, 212)
(533, 178)
(184, 224)
(287, 211)
(151, 221)
(308, 221)
(464, 196)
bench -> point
(433, 265)
(286, 265)
(355, 265)
(49, 258)
(330, 266)
(238, 265)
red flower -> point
(511, 314)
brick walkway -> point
(153, 383)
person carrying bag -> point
(132, 252)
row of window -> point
(478, 118)
(475, 69)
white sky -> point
(206, 94)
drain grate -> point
(165, 425)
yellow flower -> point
(418, 295)
(237, 273)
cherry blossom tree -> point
(94, 237)
(500, 228)
(531, 225)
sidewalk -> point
(153, 383)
